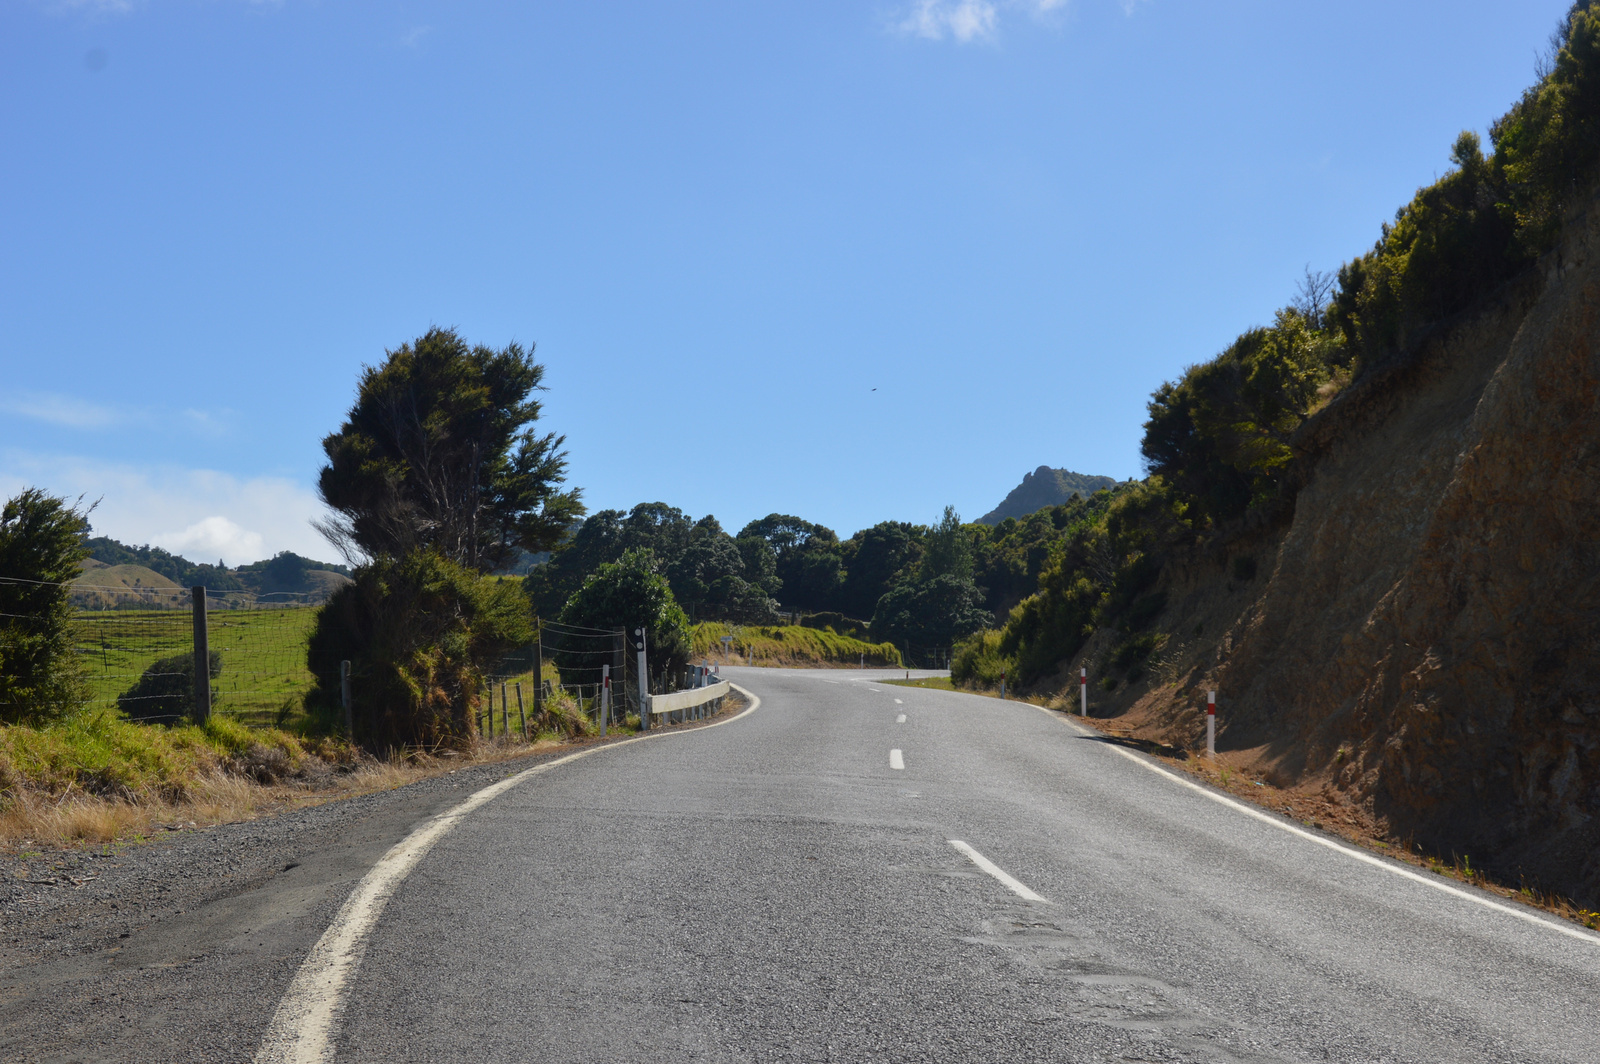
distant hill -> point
(285, 577)
(1045, 487)
(102, 575)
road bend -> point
(858, 871)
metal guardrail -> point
(691, 704)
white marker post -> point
(1002, 683)
(605, 697)
(1083, 691)
(1211, 724)
(644, 685)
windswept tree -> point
(440, 453)
(41, 546)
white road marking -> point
(306, 1024)
(1364, 858)
(1010, 882)
(877, 690)
(901, 719)
(896, 761)
(898, 702)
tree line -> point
(1225, 444)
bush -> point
(979, 661)
(631, 593)
(419, 632)
(41, 547)
(165, 692)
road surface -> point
(856, 871)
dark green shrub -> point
(419, 632)
(41, 546)
(164, 693)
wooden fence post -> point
(202, 658)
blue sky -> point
(723, 224)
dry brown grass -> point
(34, 817)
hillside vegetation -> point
(788, 646)
(1368, 523)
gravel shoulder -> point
(180, 947)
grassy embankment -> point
(788, 646)
(96, 776)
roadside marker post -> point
(1083, 691)
(344, 701)
(505, 712)
(1002, 683)
(1211, 724)
(521, 715)
(605, 697)
(644, 685)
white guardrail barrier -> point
(693, 704)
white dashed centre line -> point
(896, 761)
(901, 719)
(898, 702)
(1010, 882)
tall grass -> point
(786, 645)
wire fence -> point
(136, 649)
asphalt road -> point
(772, 889)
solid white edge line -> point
(1365, 858)
(305, 1024)
(896, 760)
(1010, 882)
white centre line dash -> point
(1008, 881)
(901, 719)
(896, 761)
(898, 702)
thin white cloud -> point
(57, 409)
(201, 513)
(69, 411)
(413, 37)
(963, 20)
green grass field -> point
(263, 654)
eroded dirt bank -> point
(1421, 641)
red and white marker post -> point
(1083, 691)
(1211, 724)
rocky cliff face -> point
(1424, 635)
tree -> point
(875, 559)
(631, 593)
(420, 632)
(439, 453)
(1313, 295)
(931, 613)
(948, 550)
(41, 548)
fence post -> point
(505, 712)
(202, 658)
(488, 717)
(344, 701)
(538, 668)
(1211, 724)
(644, 686)
(605, 697)
(1083, 690)
(521, 716)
